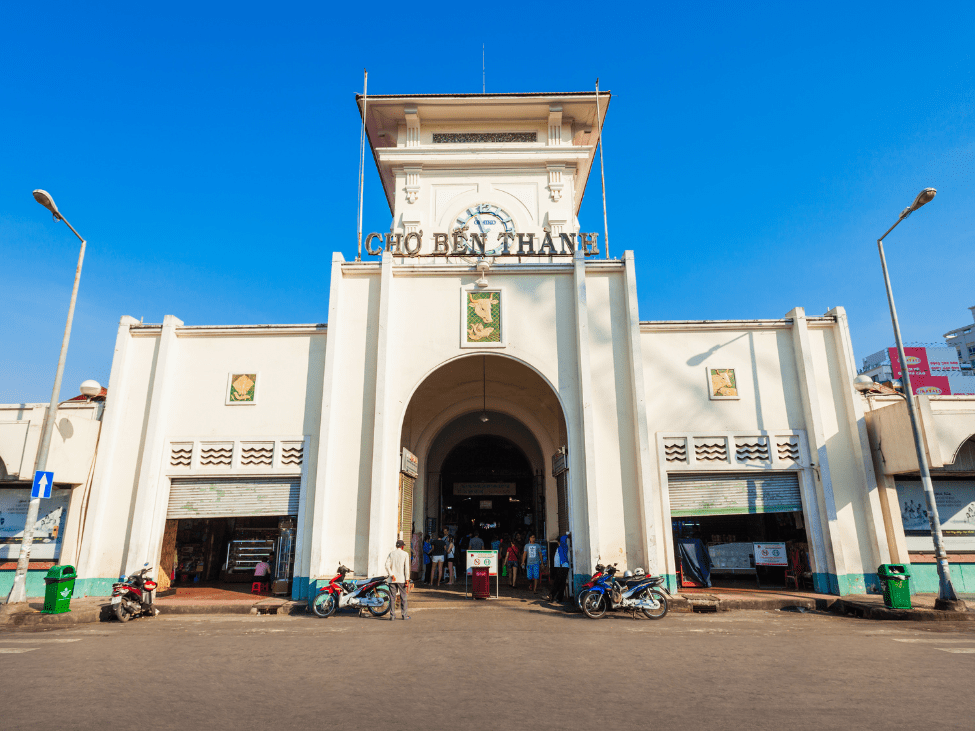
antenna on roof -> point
(483, 72)
(602, 170)
(362, 159)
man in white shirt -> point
(398, 569)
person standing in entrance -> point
(531, 561)
(511, 563)
(437, 553)
(451, 549)
(398, 568)
(427, 547)
(476, 543)
(560, 570)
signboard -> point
(48, 529)
(43, 482)
(560, 463)
(486, 504)
(917, 362)
(927, 385)
(483, 558)
(956, 509)
(478, 489)
(771, 554)
(409, 465)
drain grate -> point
(704, 608)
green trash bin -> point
(896, 580)
(60, 587)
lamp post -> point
(947, 599)
(18, 593)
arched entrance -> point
(485, 429)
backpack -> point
(438, 548)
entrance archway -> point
(481, 424)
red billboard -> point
(917, 362)
(926, 385)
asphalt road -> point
(492, 668)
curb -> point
(27, 617)
(868, 610)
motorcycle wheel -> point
(324, 604)
(658, 596)
(387, 606)
(594, 605)
(123, 612)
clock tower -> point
(484, 164)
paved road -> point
(492, 668)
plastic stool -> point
(257, 587)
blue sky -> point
(208, 152)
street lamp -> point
(947, 599)
(18, 593)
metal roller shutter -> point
(733, 494)
(406, 484)
(223, 498)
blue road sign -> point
(43, 481)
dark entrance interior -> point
(487, 485)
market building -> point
(484, 365)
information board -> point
(47, 530)
(771, 554)
(483, 558)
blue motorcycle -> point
(636, 592)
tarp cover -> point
(695, 560)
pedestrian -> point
(531, 561)
(427, 547)
(437, 553)
(263, 571)
(476, 543)
(451, 549)
(511, 563)
(560, 570)
(398, 569)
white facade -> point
(566, 366)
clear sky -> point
(208, 152)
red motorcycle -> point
(132, 596)
(373, 595)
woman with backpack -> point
(511, 563)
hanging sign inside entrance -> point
(488, 559)
(771, 554)
(478, 489)
(409, 465)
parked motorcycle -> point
(584, 589)
(132, 596)
(636, 592)
(374, 595)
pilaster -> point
(149, 492)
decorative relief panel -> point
(181, 454)
(476, 137)
(256, 454)
(788, 448)
(711, 449)
(751, 449)
(675, 450)
(292, 453)
(759, 450)
(216, 454)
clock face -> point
(486, 219)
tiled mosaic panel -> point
(479, 331)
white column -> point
(645, 452)
(582, 470)
(833, 562)
(854, 407)
(147, 497)
(383, 490)
(91, 564)
(322, 550)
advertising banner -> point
(47, 530)
(956, 509)
(917, 362)
(927, 385)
